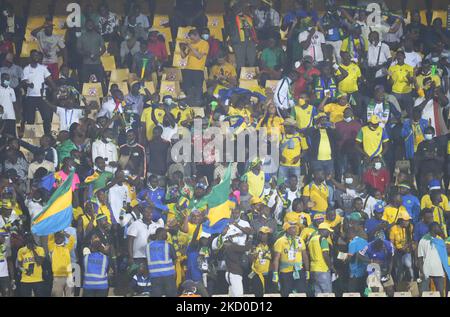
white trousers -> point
(235, 287)
(336, 49)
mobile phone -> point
(30, 269)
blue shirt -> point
(412, 205)
(156, 196)
(357, 268)
(420, 229)
(193, 272)
(370, 226)
(291, 15)
(381, 256)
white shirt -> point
(413, 59)
(109, 151)
(50, 45)
(108, 108)
(168, 132)
(372, 56)
(7, 98)
(117, 195)
(428, 111)
(291, 195)
(232, 230)
(432, 265)
(315, 48)
(141, 231)
(68, 116)
(36, 76)
(282, 96)
(33, 207)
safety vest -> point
(321, 85)
(95, 271)
(158, 259)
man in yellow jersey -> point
(372, 140)
(435, 186)
(196, 51)
(401, 77)
(292, 149)
(321, 264)
(311, 230)
(261, 258)
(394, 210)
(255, 178)
(304, 113)
(30, 259)
(316, 194)
(290, 261)
(439, 213)
(335, 109)
(148, 124)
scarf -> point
(245, 19)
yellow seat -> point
(27, 47)
(182, 33)
(216, 32)
(171, 88)
(215, 21)
(109, 62)
(249, 84)
(123, 86)
(249, 73)
(120, 74)
(160, 20)
(272, 84)
(178, 61)
(92, 90)
(172, 74)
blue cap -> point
(379, 207)
(434, 184)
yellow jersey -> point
(316, 246)
(372, 140)
(193, 63)
(261, 264)
(26, 256)
(350, 83)
(391, 214)
(304, 116)
(318, 194)
(290, 250)
(146, 119)
(255, 183)
(399, 74)
(60, 255)
(291, 146)
(324, 152)
(336, 111)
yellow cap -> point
(374, 119)
(325, 226)
(265, 229)
(404, 216)
(256, 200)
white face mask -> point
(77, 34)
(205, 37)
(108, 140)
(435, 59)
(428, 137)
(349, 181)
(349, 119)
(377, 165)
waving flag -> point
(219, 205)
(57, 213)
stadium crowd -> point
(358, 203)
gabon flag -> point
(219, 205)
(57, 214)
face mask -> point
(77, 34)
(6, 83)
(205, 37)
(127, 37)
(5, 13)
(435, 59)
(348, 119)
(99, 169)
(377, 165)
(428, 137)
(72, 169)
(77, 161)
(108, 140)
(301, 102)
(349, 181)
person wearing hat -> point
(401, 236)
(434, 186)
(335, 109)
(312, 40)
(261, 257)
(372, 140)
(292, 148)
(290, 261)
(402, 79)
(321, 264)
(375, 223)
(355, 44)
(255, 178)
(410, 201)
(311, 230)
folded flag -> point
(57, 213)
(219, 205)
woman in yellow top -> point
(290, 261)
(30, 259)
(271, 121)
(335, 110)
(255, 178)
(401, 237)
(261, 258)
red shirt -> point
(158, 49)
(6, 47)
(347, 132)
(378, 180)
(300, 84)
(214, 47)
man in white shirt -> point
(430, 264)
(238, 229)
(412, 58)
(106, 148)
(378, 58)
(112, 105)
(312, 41)
(118, 194)
(283, 98)
(7, 101)
(50, 44)
(35, 76)
(138, 233)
